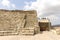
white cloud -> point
(13, 5)
(7, 4)
(41, 6)
(53, 17)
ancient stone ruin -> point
(45, 24)
(17, 22)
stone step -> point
(2, 33)
(27, 31)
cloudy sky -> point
(45, 8)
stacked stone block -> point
(15, 22)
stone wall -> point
(13, 21)
(45, 24)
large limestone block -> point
(27, 31)
(18, 22)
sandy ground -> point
(43, 36)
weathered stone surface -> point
(12, 22)
(27, 31)
(45, 24)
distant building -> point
(44, 24)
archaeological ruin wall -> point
(16, 22)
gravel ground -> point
(41, 36)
